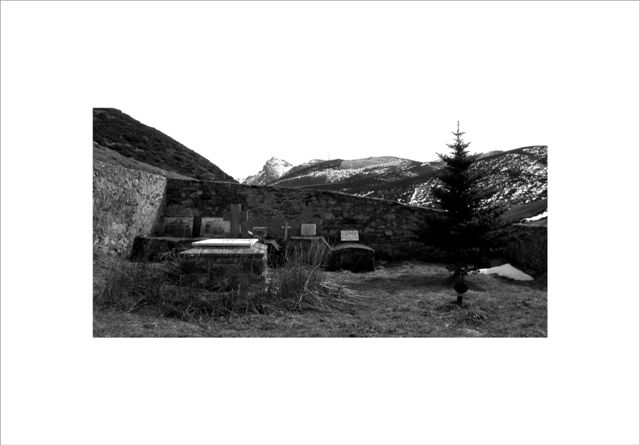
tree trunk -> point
(459, 300)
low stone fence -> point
(525, 246)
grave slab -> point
(225, 242)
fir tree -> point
(467, 216)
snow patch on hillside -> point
(507, 271)
(537, 217)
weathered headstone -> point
(262, 232)
(349, 235)
(178, 226)
(308, 229)
(355, 257)
(214, 227)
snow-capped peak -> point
(273, 169)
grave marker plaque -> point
(349, 235)
(179, 226)
(214, 226)
(308, 229)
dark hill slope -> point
(121, 133)
(103, 154)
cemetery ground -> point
(409, 299)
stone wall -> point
(525, 246)
(386, 226)
(126, 203)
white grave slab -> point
(226, 242)
(308, 229)
(349, 235)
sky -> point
(240, 82)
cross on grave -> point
(235, 216)
(238, 221)
(244, 223)
(286, 228)
(235, 220)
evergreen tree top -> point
(458, 144)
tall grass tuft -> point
(301, 282)
(168, 289)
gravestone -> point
(354, 257)
(349, 235)
(214, 227)
(178, 226)
(262, 232)
(308, 229)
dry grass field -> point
(405, 300)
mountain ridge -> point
(519, 175)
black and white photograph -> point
(320, 222)
(375, 246)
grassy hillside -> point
(114, 130)
(104, 154)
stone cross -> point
(286, 228)
(244, 224)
